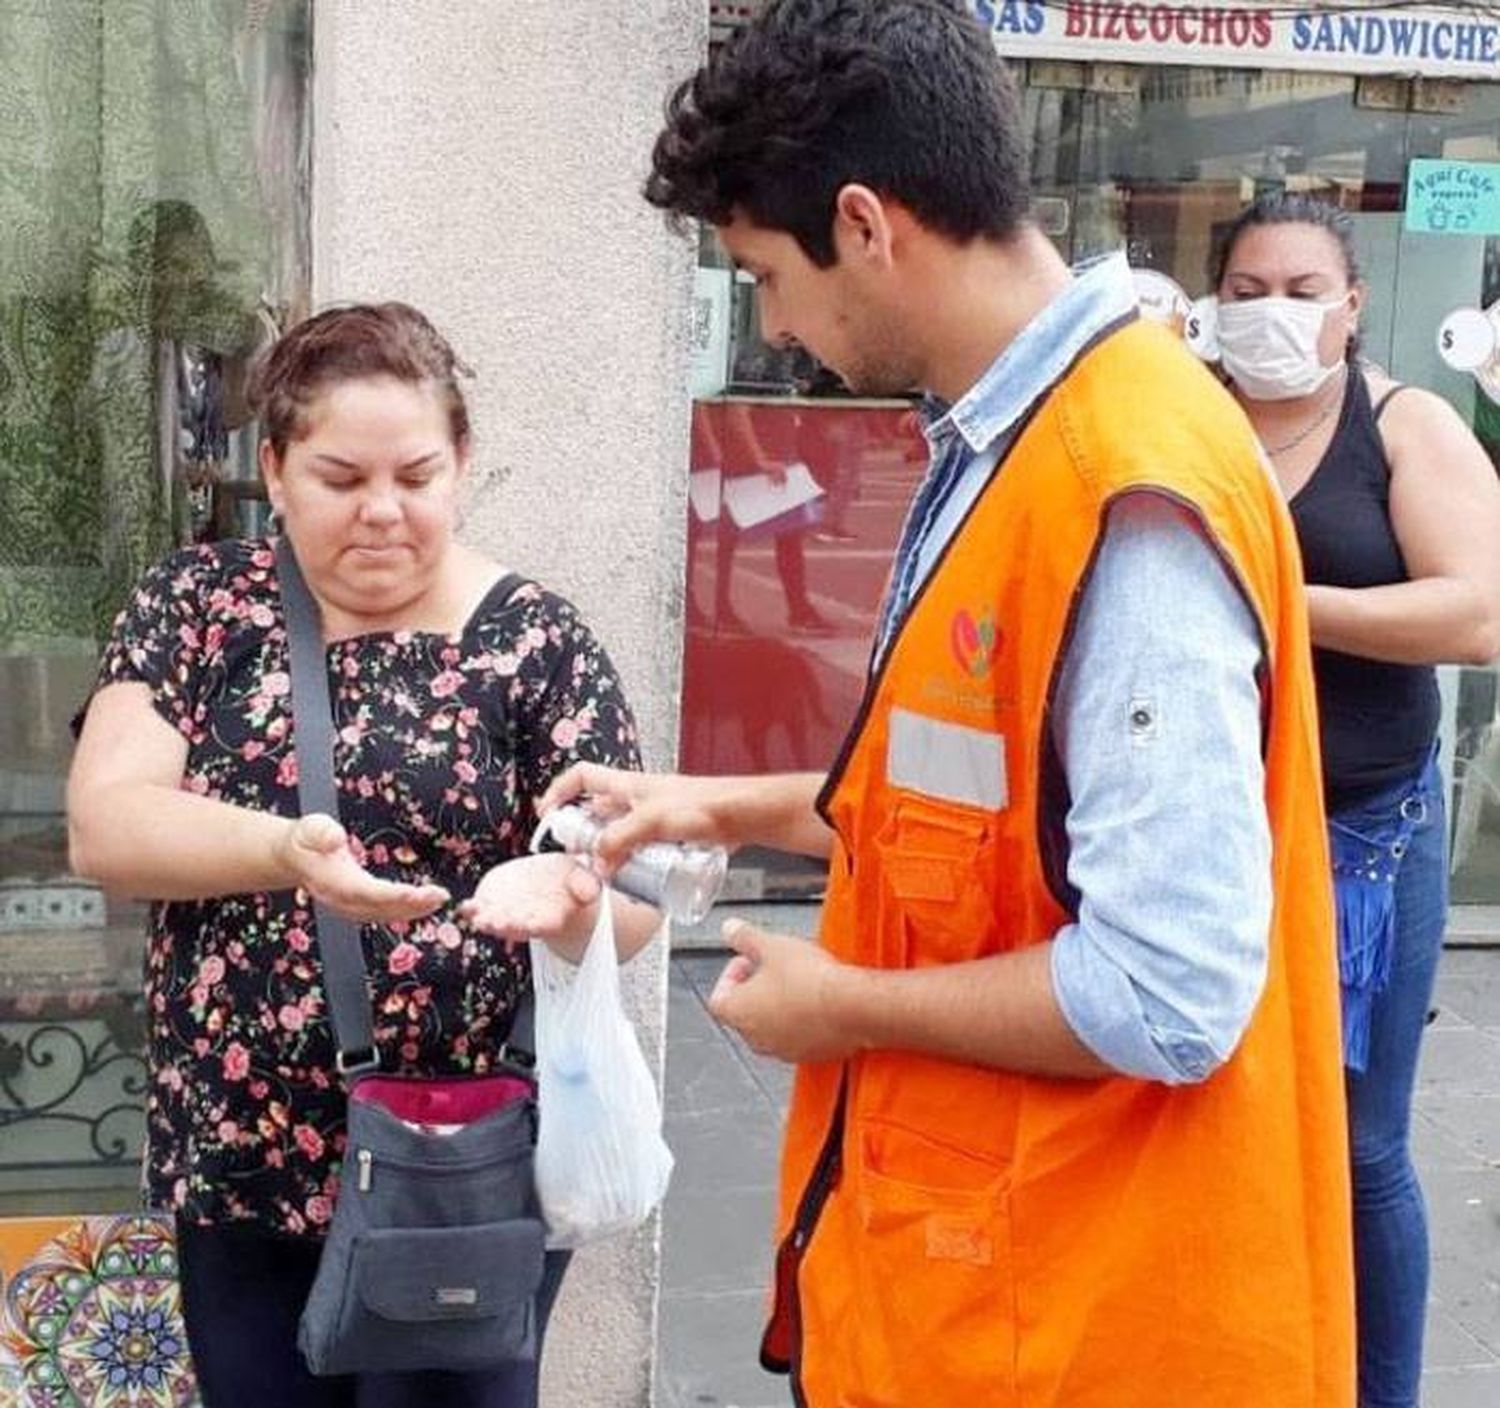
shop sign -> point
(1439, 40)
(1453, 197)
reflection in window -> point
(153, 232)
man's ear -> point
(862, 227)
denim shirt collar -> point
(1101, 292)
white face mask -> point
(1270, 346)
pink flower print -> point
(276, 728)
(213, 637)
(274, 1158)
(468, 717)
(308, 1140)
(211, 970)
(445, 683)
(179, 1193)
(195, 784)
(251, 749)
(506, 665)
(319, 1209)
(262, 557)
(188, 635)
(449, 655)
(404, 957)
(229, 1132)
(200, 1047)
(350, 735)
(448, 935)
(170, 1077)
(565, 733)
(350, 667)
(262, 616)
(198, 995)
(292, 1017)
(286, 771)
(277, 684)
(258, 1089)
(467, 773)
(299, 939)
(236, 1062)
(319, 1077)
(408, 1051)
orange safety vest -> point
(953, 1235)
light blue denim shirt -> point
(1158, 725)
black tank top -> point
(1378, 720)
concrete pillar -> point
(482, 159)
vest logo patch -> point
(973, 642)
(954, 1239)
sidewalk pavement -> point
(724, 1110)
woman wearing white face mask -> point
(1397, 511)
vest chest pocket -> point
(937, 884)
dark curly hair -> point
(907, 97)
(349, 343)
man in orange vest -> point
(1068, 1122)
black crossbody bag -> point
(435, 1254)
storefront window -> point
(153, 231)
(1152, 158)
(1156, 160)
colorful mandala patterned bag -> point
(435, 1255)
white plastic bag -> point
(601, 1163)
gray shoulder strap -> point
(344, 975)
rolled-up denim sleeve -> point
(1158, 724)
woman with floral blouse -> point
(457, 697)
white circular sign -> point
(1201, 329)
(1161, 298)
(1467, 339)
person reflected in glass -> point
(1397, 512)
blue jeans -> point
(242, 1295)
(1390, 1217)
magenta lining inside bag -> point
(460, 1101)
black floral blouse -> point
(443, 743)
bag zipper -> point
(364, 1160)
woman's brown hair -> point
(350, 343)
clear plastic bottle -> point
(681, 880)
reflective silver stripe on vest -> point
(948, 761)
